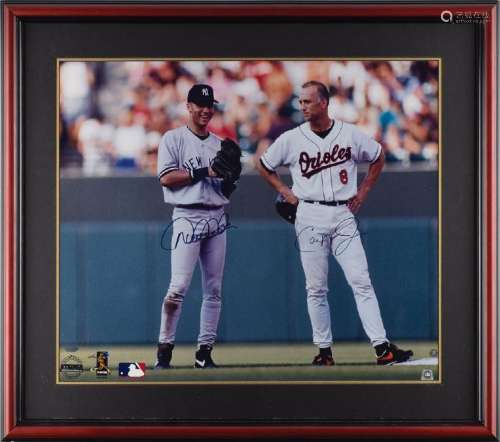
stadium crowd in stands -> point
(114, 113)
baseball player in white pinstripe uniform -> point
(198, 195)
(322, 156)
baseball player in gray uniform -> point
(322, 156)
(198, 194)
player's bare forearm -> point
(180, 178)
(373, 174)
(368, 182)
(275, 181)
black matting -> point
(456, 400)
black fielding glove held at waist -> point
(227, 188)
(227, 161)
(198, 174)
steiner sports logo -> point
(71, 367)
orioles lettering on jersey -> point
(322, 169)
(309, 166)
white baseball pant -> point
(322, 230)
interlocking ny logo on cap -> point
(202, 94)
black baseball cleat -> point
(324, 357)
(203, 357)
(388, 354)
(164, 355)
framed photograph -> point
(234, 220)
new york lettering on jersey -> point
(180, 149)
(193, 163)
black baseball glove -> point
(227, 188)
(286, 210)
(227, 163)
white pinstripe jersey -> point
(322, 169)
(181, 149)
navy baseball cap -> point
(202, 95)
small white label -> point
(427, 375)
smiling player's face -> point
(200, 115)
(311, 104)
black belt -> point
(327, 203)
(198, 206)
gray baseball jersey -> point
(181, 149)
(322, 169)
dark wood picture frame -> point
(13, 428)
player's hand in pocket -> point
(357, 201)
(289, 196)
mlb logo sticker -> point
(132, 369)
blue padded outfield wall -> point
(113, 277)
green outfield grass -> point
(280, 362)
